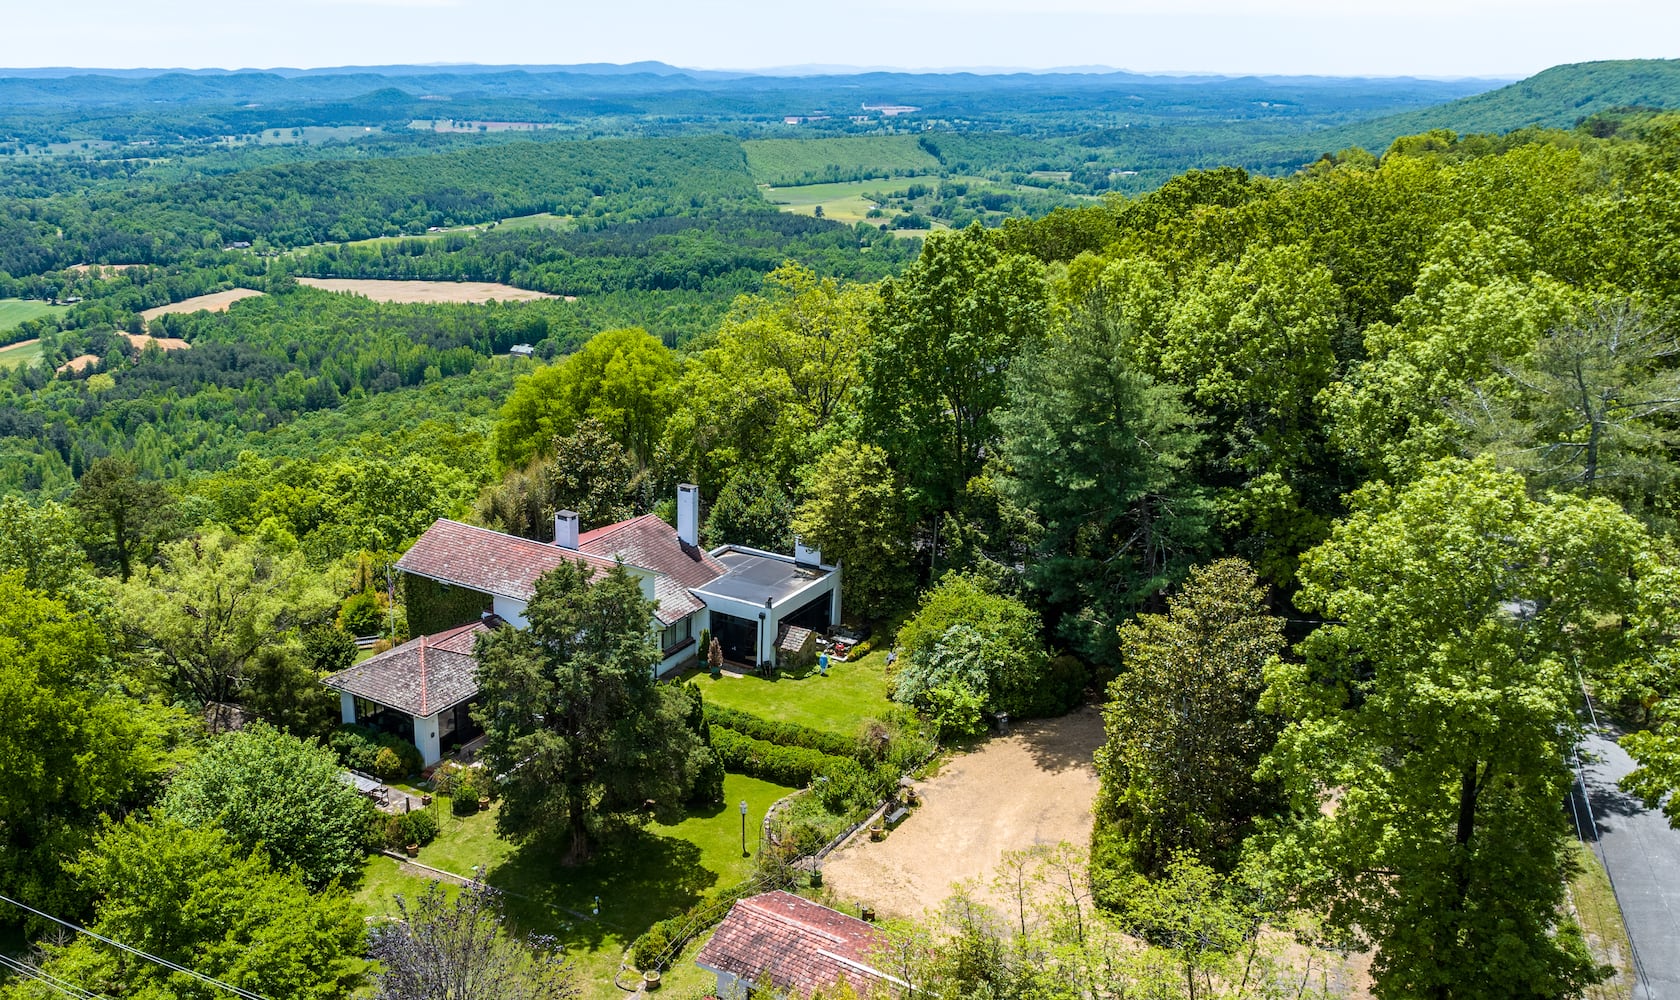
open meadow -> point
(426, 291)
(842, 201)
(16, 311)
(23, 353)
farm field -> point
(426, 291)
(811, 161)
(644, 876)
(16, 311)
(843, 201)
(25, 353)
(214, 302)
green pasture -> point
(16, 311)
(846, 201)
(644, 876)
(807, 161)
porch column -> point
(426, 738)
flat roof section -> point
(756, 578)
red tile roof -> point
(650, 543)
(801, 945)
(487, 561)
(421, 677)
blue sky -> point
(1507, 38)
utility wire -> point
(166, 963)
(61, 986)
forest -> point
(1332, 491)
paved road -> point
(1642, 854)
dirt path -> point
(1035, 786)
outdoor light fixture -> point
(743, 828)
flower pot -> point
(425, 800)
(413, 850)
(483, 802)
(877, 833)
(650, 981)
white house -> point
(745, 596)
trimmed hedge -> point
(784, 765)
(789, 734)
(666, 938)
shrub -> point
(445, 777)
(358, 748)
(966, 636)
(761, 759)
(419, 827)
(388, 765)
(665, 939)
(361, 614)
(784, 733)
(467, 790)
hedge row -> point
(793, 766)
(788, 734)
(666, 939)
(358, 748)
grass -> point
(647, 875)
(805, 161)
(16, 311)
(1593, 901)
(846, 201)
(26, 353)
(838, 703)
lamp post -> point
(743, 828)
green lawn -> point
(15, 311)
(838, 703)
(26, 353)
(652, 873)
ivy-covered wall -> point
(433, 607)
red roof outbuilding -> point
(796, 944)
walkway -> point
(1642, 853)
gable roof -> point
(487, 561)
(422, 677)
(649, 542)
(799, 944)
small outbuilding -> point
(795, 945)
(422, 690)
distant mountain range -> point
(1555, 98)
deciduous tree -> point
(1428, 724)
(443, 949)
(274, 792)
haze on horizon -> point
(1438, 38)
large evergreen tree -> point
(574, 720)
(1184, 729)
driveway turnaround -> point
(1642, 854)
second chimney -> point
(566, 529)
(688, 514)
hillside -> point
(1555, 98)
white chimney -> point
(805, 555)
(688, 513)
(566, 529)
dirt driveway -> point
(1035, 786)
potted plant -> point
(413, 850)
(650, 980)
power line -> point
(166, 963)
(61, 986)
